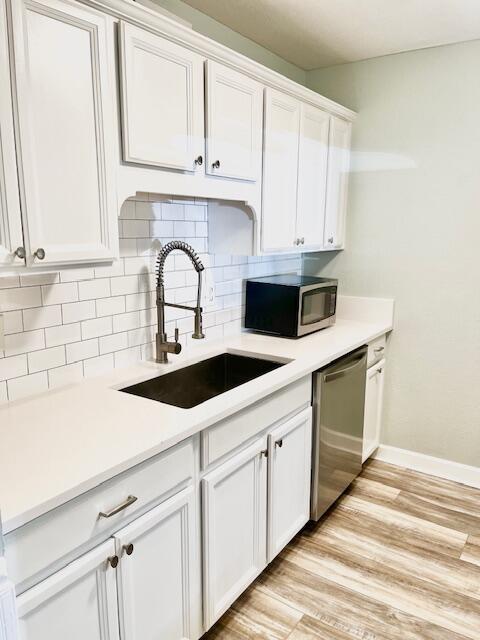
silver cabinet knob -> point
(297, 241)
(330, 240)
(128, 548)
(39, 253)
(216, 164)
(20, 253)
(113, 561)
(199, 161)
(302, 240)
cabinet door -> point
(234, 106)
(162, 101)
(290, 455)
(67, 139)
(312, 176)
(280, 169)
(77, 603)
(373, 409)
(337, 182)
(158, 592)
(10, 219)
(234, 528)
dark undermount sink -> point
(192, 385)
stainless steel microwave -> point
(290, 305)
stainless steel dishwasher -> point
(338, 408)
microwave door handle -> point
(343, 372)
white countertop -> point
(60, 444)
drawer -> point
(227, 435)
(49, 542)
(376, 350)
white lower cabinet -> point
(289, 451)
(77, 603)
(157, 574)
(373, 409)
(234, 528)
(260, 494)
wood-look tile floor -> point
(396, 558)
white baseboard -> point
(439, 467)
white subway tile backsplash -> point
(13, 367)
(92, 289)
(114, 342)
(96, 327)
(110, 306)
(182, 229)
(85, 321)
(82, 350)
(75, 275)
(64, 334)
(13, 299)
(69, 374)
(126, 321)
(33, 279)
(97, 366)
(59, 293)
(124, 285)
(46, 359)
(42, 317)
(161, 229)
(13, 322)
(78, 311)
(24, 342)
(173, 211)
(27, 386)
(3, 392)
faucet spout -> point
(163, 347)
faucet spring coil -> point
(172, 246)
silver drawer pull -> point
(378, 349)
(108, 514)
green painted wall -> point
(413, 234)
(220, 33)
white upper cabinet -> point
(162, 101)
(234, 110)
(337, 182)
(280, 168)
(312, 176)
(10, 221)
(78, 602)
(159, 588)
(66, 135)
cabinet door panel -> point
(234, 123)
(337, 182)
(279, 200)
(373, 409)
(10, 218)
(158, 592)
(162, 100)
(234, 528)
(290, 454)
(66, 135)
(312, 176)
(77, 603)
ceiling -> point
(320, 33)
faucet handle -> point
(176, 334)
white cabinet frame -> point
(231, 162)
(292, 501)
(10, 216)
(93, 564)
(99, 28)
(182, 505)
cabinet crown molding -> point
(176, 32)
